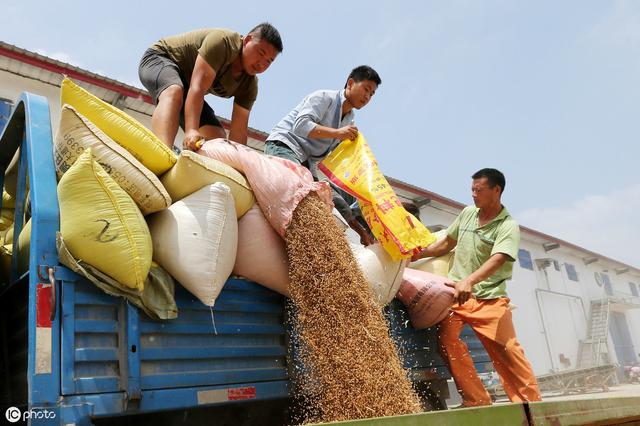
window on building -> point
(524, 257)
(607, 284)
(571, 272)
(634, 289)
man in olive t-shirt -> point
(178, 72)
(486, 240)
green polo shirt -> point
(476, 244)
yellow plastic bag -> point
(120, 127)
(101, 224)
(353, 168)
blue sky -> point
(546, 91)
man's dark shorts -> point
(157, 72)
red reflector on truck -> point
(235, 394)
(43, 305)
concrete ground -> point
(622, 390)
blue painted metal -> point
(29, 128)
(419, 348)
(133, 352)
(5, 112)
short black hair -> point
(266, 31)
(364, 72)
(494, 177)
(412, 208)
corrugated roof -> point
(50, 71)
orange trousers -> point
(491, 320)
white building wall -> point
(13, 85)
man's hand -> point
(418, 256)
(347, 132)
(191, 139)
(365, 238)
(462, 291)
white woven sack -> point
(383, 274)
(262, 256)
(196, 240)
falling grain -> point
(352, 369)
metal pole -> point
(544, 330)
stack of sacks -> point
(107, 164)
(208, 196)
(426, 296)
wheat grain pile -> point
(352, 369)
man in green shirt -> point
(486, 240)
(178, 72)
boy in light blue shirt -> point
(318, 124)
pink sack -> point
(278, 184)
(425, 296)
(261, 255)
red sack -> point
(425, 296)
(278, 184)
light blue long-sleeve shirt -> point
(323, 107)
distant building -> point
(574, 307)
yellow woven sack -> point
(353, 168)
(76, 133)
(11, 178)
(194, 171)
(8, 202)
(120, 127)
(6, 218)
(24, 244)
(7, 238)
(436, 265)
(101, 225)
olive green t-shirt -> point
(220, 48)
(476, 244)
